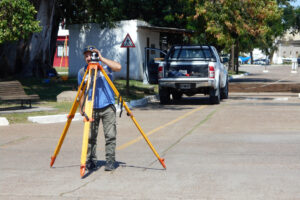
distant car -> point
(261, 62)
(298, 60)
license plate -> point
(185, 86)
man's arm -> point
(80, 103)
(115, 66)
(79, 80)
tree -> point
(32, 56)
(17, 20)
(233, 22)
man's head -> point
(87, 52)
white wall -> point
(288, 47)
(109, 41)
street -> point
(247, 147)
(214, 85)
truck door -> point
(151, 65)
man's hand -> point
(115, 66)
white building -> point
(288, 48)
(109, 41)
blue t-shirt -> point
(104, 95)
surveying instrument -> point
(83, 92)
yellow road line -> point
(159, 128)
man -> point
(103, 109)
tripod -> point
(84, 88)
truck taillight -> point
(211, 73)
(160, 72)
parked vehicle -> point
(192, 69)
(261, 61)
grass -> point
(63, 70)
(48, 89)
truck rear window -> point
(201, 54)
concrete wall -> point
(109, 41)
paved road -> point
(274, 74)
(278, 78)
(252, 153)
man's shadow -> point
(99, 164)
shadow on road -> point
(179, 104)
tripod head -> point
(95, 57)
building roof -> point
(144, 25)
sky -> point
(295, 3)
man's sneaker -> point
(110, 166)
(91, 165)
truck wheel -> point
(164, 96)
(176, 95)
(224, 91)
(214, 97)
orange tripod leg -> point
(87, 122)
(71, 115)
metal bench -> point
(13, 91)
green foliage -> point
(17, 20)
(297, 19)
(291, 18)
(237, 21)
(159, 13)
(168, 13)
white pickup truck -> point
(192, 69)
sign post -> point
(127, 43)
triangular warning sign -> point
(127, 42)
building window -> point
(62, 52)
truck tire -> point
(224, 91)
(164, 96)
(214, 96)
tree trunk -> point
(236, 57)
(271, 55)
(231, 63)
(38, 58)
(34, 56)
(251, 57)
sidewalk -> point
(48, 119)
